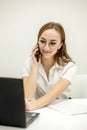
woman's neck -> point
(48, 62)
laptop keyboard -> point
(29, 115)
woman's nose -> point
(46, 46)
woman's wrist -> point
(28, 104)
(35, 68)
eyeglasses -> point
(51, 44)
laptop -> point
(70, 106)
(12, 104)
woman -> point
(48, 77)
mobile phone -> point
(37, 55)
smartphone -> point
(37, 55)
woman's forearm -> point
(30, 83)
(52, 94)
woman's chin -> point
(47, 56)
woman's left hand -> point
(27, 105)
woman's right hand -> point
(35, 48)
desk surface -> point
(51, 119)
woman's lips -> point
(46, 52)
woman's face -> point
(49, 43)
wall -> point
(20, 21)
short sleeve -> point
(26, 68)
(69, 71)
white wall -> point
(20, 21)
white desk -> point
(53, 120)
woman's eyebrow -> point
(53, 40)
(43, 38)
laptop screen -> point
(12, 105)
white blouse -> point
(44, 84)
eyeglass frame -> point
(49, 44)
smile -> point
(46, 51)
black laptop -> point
(12, 104)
